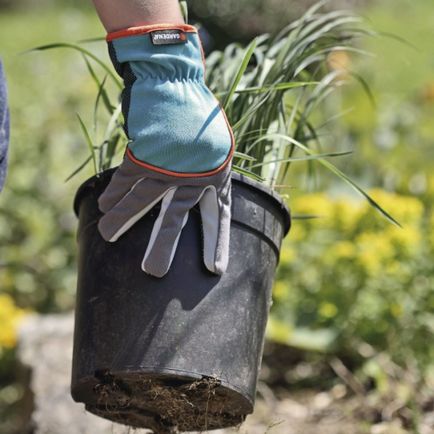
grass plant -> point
(271, 91)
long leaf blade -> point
(89, 142)
(82, 50)
(79, 168)
(341, 175)
(246, 59)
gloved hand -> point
(180, 148)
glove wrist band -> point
(141, 30)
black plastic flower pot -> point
(182, 352)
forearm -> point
(118, 14)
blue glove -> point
(180, 147)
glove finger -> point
(167, 229)
(123, 180)
(132, 207)
(216, 220)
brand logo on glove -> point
(164, 37)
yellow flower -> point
(375, 249)
(279, 331)
(405, 209)
(287, 254)
(327, 310)
(394, 268)
(280, 290)
(343, 250)
(369, 262)
(313, 204)
(354, 230)
(298, 232)
(406, 238)
(10, 317)
(347, 214)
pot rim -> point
(237, 177)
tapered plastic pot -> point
(182, 352)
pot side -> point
(182, 352)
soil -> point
(166, 407)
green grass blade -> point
(335, 117)
(249, 113)
(96, 105)
(304, 158)
(246, 59)
(89, 142)
(113, 126)
(111, 148)
(79, 168)
(113, 122)
(397, 38)
(304, 216)
(82, 50)
(276, 87)
(365, 87)
(243, 156)
(101, 89)
(184, 10)
(248, 173)
(314, 8)
(337, 172)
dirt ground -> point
(332, 412)
(313, 412)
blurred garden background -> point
(353, 301)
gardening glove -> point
(180, 148)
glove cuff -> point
(158, 52)
(142, 30)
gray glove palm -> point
(134, 190)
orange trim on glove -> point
(182, 174)
(140, 30)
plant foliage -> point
(270, 90)
(351, 285)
